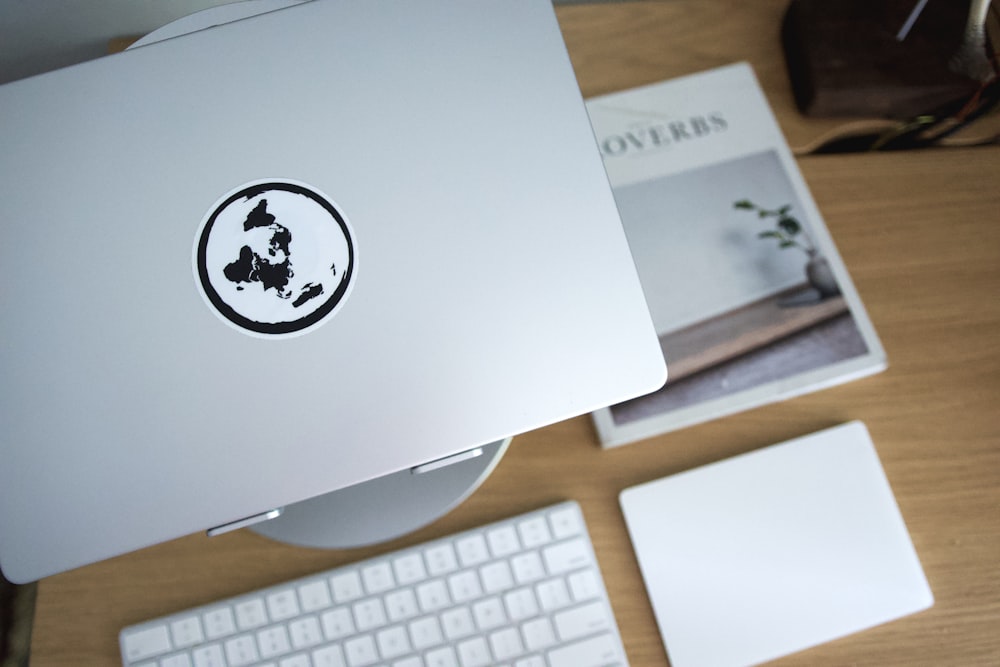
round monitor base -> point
(383, 508)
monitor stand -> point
(383, 508)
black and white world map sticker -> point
(275, 258)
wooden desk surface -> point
(920, 233)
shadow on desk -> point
(17, 611)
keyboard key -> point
(566, 556)
(521, 604)
(400, 605)
(369, 614)
(426, 632)
(464, 586)
(409, 569)
(186, 632)
(180, 660)
(415, 661)
(472, 550)
(241, 651)
(433, 596)
(583, 585)
(315, 596)
(337, 623)
(594, 652)
(565, 523)
(496, 577)
(442, 657)
(538, 634)
(392, 642)
(474, 653)
(147, 643)
(377, 578)
(273, 641)
(360, 651)
(329, 656)
(250, 614)
(441, 559)
(282, 605)
(534, 532)
(527, 567)
(506, 644)
(489, 614)
(503, 541)
(580, 621)
(553, 594)
(208, 656)
(346, 587)
(219, 622)
(305, 632)
(531, 661)
(458, 623)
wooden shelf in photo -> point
(732, 334)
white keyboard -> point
(523, 592)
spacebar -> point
(593, 652)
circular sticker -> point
(274, 258)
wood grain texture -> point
(920, 234)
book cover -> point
(749, 297)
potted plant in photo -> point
(789, 233)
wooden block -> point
(844, 58)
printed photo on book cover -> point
(740, 292)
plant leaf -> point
(790, 225)
(744, 204)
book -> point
(748, 294)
